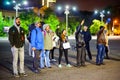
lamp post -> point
(17, 5)
(66, 12)
(102, 14)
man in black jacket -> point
(80, 46)
(17, 40)
(87, 38)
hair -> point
(101, 27)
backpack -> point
(31, 27)
(80, 40)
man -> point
(87, 38)
(80, 45)
(37, 44)
(101, 41)
(17, 40)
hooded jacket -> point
(37, 39)
(16, 36)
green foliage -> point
(4, 22)
(94, 28)
(28, 18)
(73, 23)
(51, 19)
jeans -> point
(47, 58)
(100, 53)
(42, 59)
(18, 52)
(36, 59)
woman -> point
(63, 39)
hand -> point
(82, 22)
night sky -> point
(89, 5)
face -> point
(47, 28)
(64, 32)
(85, 28)
(17, 21)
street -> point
(109, 71)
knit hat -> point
(44, 26)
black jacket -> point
(16, 38)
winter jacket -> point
(48, 42)
(16, 38)
(37, 40)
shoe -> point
(77, 66)
(50, 67)
(60, 66)
(16, 75)
(102, 63)
(98, 64)
(53, 60)
(83, 65)
(68, 65)
(36, 71)
(23, 74)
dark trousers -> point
(88, 50)
(81, 56)
(106, 51)
(52, 53)
(36, 59)
(65, 54)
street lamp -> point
(66, 12)
(102, 14)
(17, 5)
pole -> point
(66, 13)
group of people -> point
(43, 42)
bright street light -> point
(17, 5)
(102, 13)
(66, 12)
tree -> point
(51, 19)
(94, 28)
(28, 18)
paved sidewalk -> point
(110, 71)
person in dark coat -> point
(17, 41)
(80, 45)
(87, 38)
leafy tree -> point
(28, 18)
(94, 28)
(73, 23)
(51, 19)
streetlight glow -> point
(14, 1)
(74, 8)
(59, 7)
(8, 3)
(96, 11)
(25, 2)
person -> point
(80, 45)
(63, 39)
(106, 45)
(54, 47)
(48, 44)
(57, 31)
(17, 40)
(37, 44)
(101, 41)
(87, 38)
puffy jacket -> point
(16, 38)
(37, 40)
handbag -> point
(66, 45)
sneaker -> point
(53, 60)
(23, 74)
(60, 66)
(16, 75)
(68, 65)
(36, 71)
